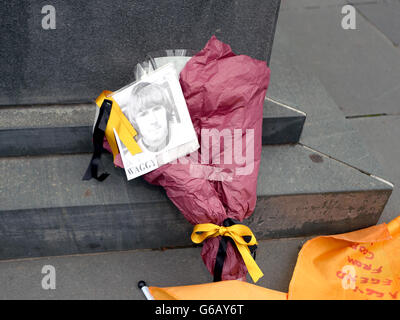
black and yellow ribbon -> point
(242, 237)
(110, 117)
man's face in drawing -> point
(152, 124)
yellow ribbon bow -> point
(236, 232)
(121, 124)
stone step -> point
(114, 275)
(46, 129)
(46, 208)
(67, 129)
(282, 124)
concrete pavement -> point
(359, 69)
(115, 275)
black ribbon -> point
(98, 138)
(223, 244)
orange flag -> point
(363, 264)
(222, 290)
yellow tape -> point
(236, 232)
(121, 124)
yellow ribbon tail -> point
(236, 232)
(122, 126)
(252, 267)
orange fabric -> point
(222, 290)
(363, 264)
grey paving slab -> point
(385, 15)
(325, 128)
(44, 141)
(47, 116)
(295, 85)
(273, 109)
(115, 275)
(360, 69)
(46, 129)
(381, 135)
(281, 124)
(96, 44)
(51, 182)
(277, 259)
(102, 276)
(46, 209)
(67, 129)
(300, 170)
(341, 141)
